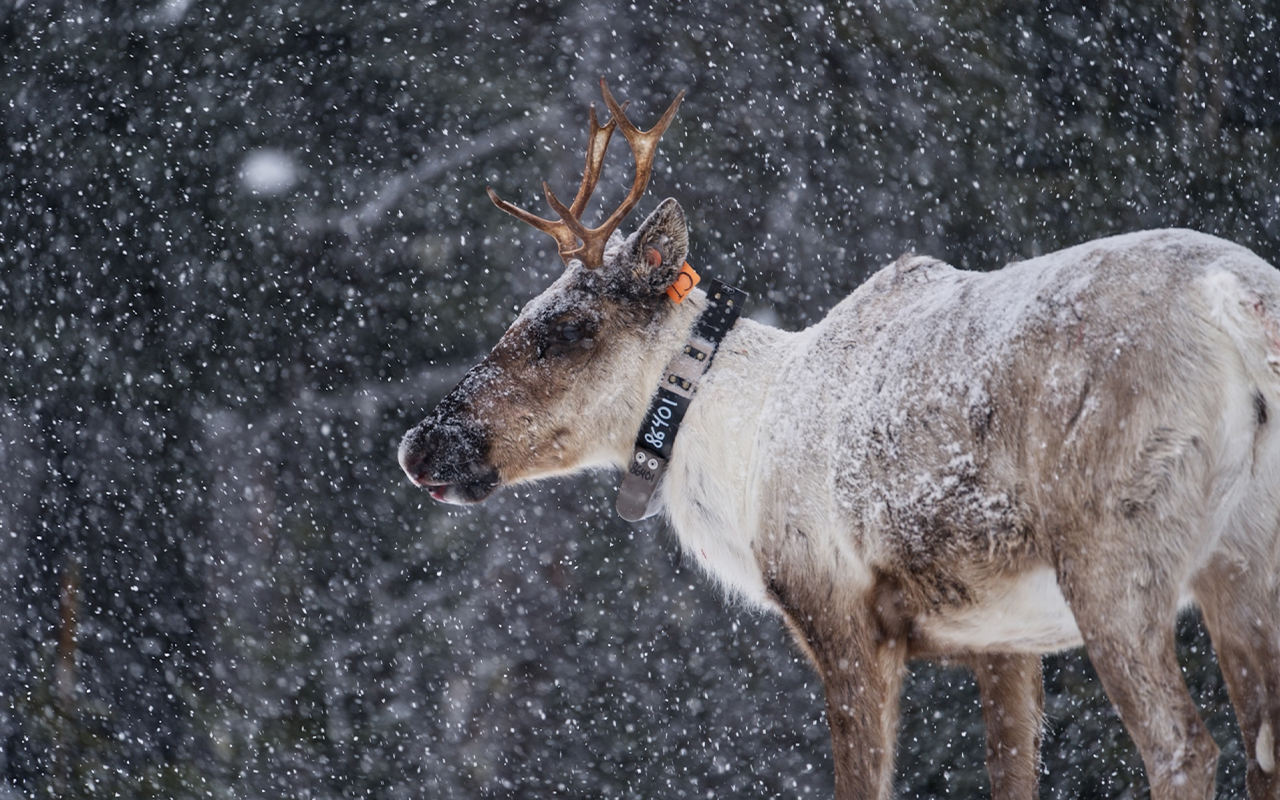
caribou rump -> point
(981, 467)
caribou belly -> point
(1027, 614)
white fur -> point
(1266, 749)
(1027, 614)
(707, 487)
(759, 446)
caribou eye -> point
(568, 332)
(562, 336)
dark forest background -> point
(244, 246)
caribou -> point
(977, 467)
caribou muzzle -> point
(448, 459)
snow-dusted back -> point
(921, 388)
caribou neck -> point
(712, 486)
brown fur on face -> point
(558, 392)
(539, 413)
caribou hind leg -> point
(1125, 604)
(1241, 606)
(1012, 690)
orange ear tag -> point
(684, 283)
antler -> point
(569, 229)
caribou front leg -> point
(862, 686)
(861, 666)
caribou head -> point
(567, 386)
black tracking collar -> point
(679, 382)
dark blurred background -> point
(244, 246)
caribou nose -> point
(416, 449)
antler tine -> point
(644, 144)
(596, 146)
(569, 229)
(566, 231)
(566, 240)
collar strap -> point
(675, 391)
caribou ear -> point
(656, 252)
